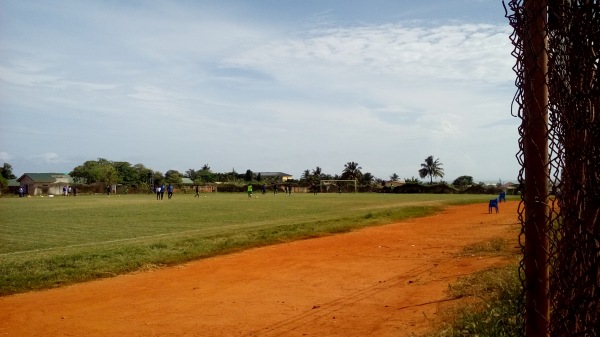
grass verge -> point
(490, 308)
(489, 305)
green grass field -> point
(48, 242)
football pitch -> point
(48, 242)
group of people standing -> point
(67, 190)
(160, 191)
(287, 188)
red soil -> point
(380, 281)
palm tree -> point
(317, 172)
(351, 171)
(367, 178)
(306, 175)
(316, 175)
(431, 168)
(394, 177)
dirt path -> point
(381, 281)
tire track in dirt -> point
(420, 274)
(329, 309)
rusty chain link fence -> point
(557, 51)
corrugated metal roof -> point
(45, 177)
(187, 181)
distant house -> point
(187, 181)
(509, 188)
(186, 184)
(44, 183)
(393, 183)
(275, 176)
(13, 186)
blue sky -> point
(260, 85)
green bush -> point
(442, 188)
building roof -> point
(274, 174)
(395, 182)
(509, 185)
(46, 177)
(187, 181)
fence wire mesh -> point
(572, 200)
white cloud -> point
(5, 156)
(459, 52)
(27, 78)
(50, 158)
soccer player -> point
(170, 191)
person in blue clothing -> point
(162, 191)
(170, 190)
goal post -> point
(338, 182)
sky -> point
(264, 85)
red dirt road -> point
(381, 281)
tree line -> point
(118, 172)
(104, 171)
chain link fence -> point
(560, 237)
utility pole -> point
(535, 148)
